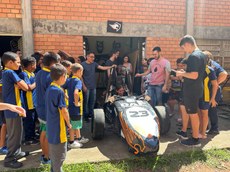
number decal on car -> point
(141, 113)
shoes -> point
(31, 142)
(13, 164)
(3, 150)
(82, 140)
(74, 145)
(191, 142)
(182, 134)
(22, 155)
(213, 132)
(45, 160)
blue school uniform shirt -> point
(10, 93)
(55, 124)
(28, 97)
(73, 84)
(218, 69)
(43, 80)
(209, 76)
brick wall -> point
(212, 12)
(10, 9)
(69, 43)
(137, 11)
(169, 46)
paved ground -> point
(113, 148)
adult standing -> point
(89, 84)
(160, 70)
(192, 89)
(112, 61)
(221, 75)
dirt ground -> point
(114, 148)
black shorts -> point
(191, 102)
(75, 117)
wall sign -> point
(114, 26)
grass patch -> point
(213, 158)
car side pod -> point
(98, 124)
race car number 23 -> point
(140, 113)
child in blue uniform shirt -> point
(74, 87)
(28, 99)
(57, 118)
(11, 94)
(208, 99)
(43, 81)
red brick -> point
(169, 46)
(46, 42)
(120, 10)
(217, 11)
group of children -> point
(55, 94)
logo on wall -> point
(100, 46)
(114, 26)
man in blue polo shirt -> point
(221, 75)
(43, 81)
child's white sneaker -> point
(75, 145)
(83, 140)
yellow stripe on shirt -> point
(206, 88)
(80, 94)
(46, 69)
(63, 137)
(29, 94)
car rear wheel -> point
(163, 119)
(98, 124)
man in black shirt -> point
(192, 89)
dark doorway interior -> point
(9, 43)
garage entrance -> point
(102, 47)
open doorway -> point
(102, 47)
(10, 43)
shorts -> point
(191, 103)
(175, 95)
(42, 127)
(203, 105)
(76, 124)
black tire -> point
(164, 119)
(98, 124)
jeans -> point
(88, 103)
(155, 92)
